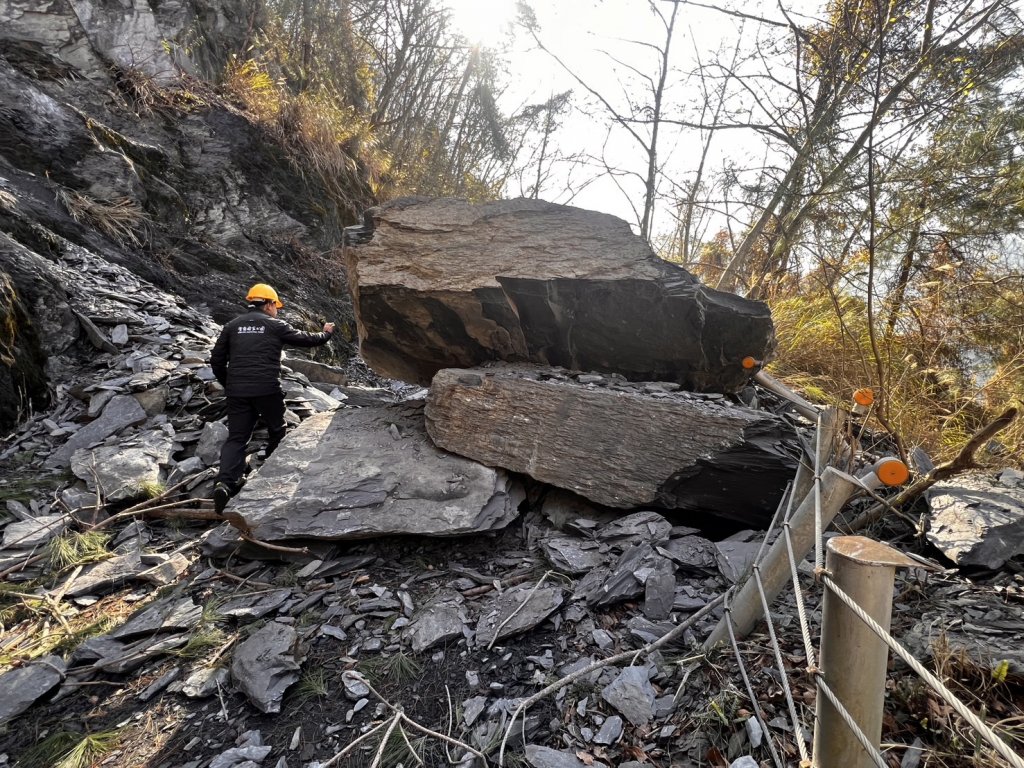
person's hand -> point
(328, 327)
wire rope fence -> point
(757, 600)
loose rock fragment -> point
(632, 694)
(266, 664)
(22, 687)
(516, 610)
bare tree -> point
(641, 118)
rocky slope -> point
(113, 146)
(134, 208)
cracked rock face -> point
(617, 443)
(90, 35)
(450, 284)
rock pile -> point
(136, 408)
(545, 585)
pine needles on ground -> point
(69, 750)
(72, 548)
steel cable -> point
(975, 722)
(801, 609)
(872, 751)
(797, 730)
(750, 689)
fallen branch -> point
(559, 684)
(963, 461)
(497, 630)
(154, 504)
(390, 724)
(276, 547)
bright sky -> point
(593, 37)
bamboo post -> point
(853, 658)
(772, 384)
(836, 489)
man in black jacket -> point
(247, 361)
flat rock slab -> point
(22, 687)
(106, 574)
(443, 619)
(517, 610)
(441, 283)
(632, 694)
(265, 665)
(976, 521)
(108, 654)
(122, 411)
(372, 472)
(545, 757)
(168, 615)
(33, 532)
(617, 445)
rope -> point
(819, 557)
(793, 716)
(797, 732)
(801, 609)
(976, 722)
(750, 690)
(870, 748)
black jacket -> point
(247, 356)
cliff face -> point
(112, 140)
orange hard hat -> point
(263, 292)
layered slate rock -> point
(266, 664)
(977, 522)
(126, 469)
(441, 283)
(21, 687)
(619, 444)
(369, 472)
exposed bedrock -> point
(442, 283)
(617, 443)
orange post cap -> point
(892, 471)
(864, 396)
(750, 362)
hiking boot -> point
(221, 494)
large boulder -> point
(440, 283)
(619, 444)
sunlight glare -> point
(483, 22)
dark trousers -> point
(243, 414)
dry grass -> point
(824, 350)
(34, 626)
(321, 134)
(70, 750)
(122, 220)
(73, 548)
(948, 741)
